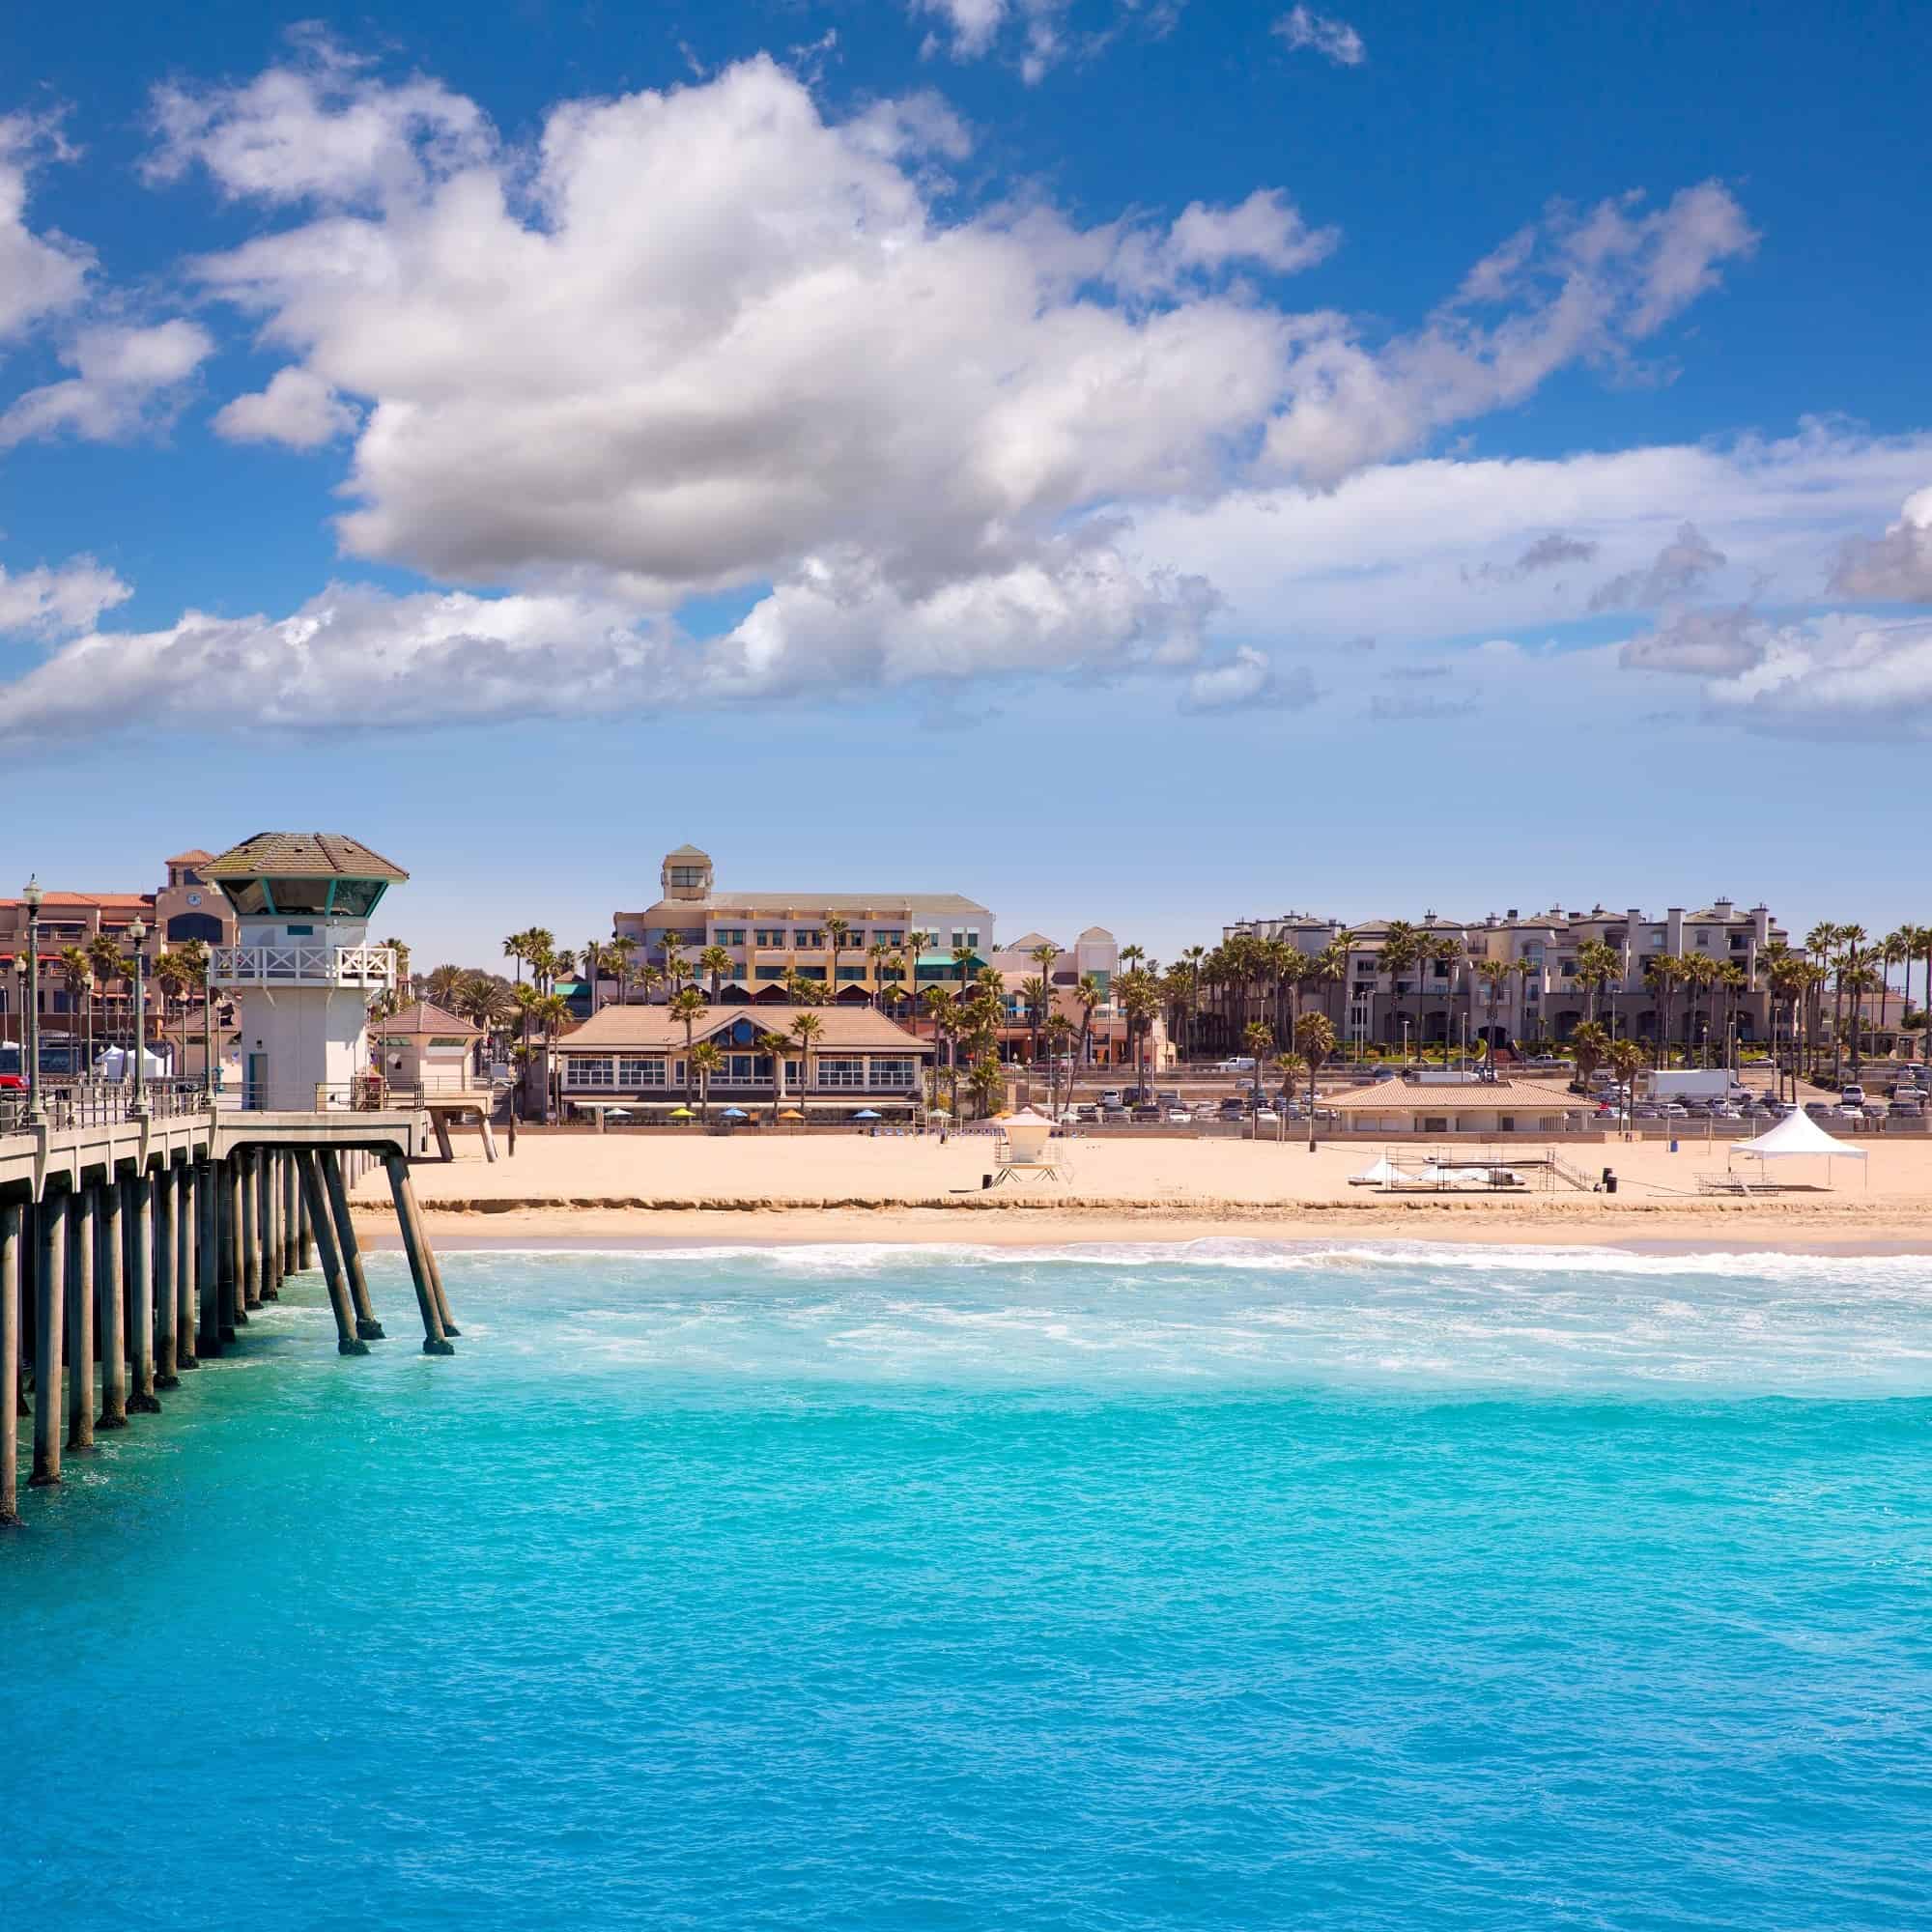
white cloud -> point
(1334, 40)
(1247, 680)
(974, 22)
(124, 378)
(1574, 288)
(322, 129)
(1266, 229)
(39, 274)
(54, 601)
(297, 409)
(357, 654)
(1836, 676)
(1680, 567)
(1896, 567)
(1717, 643)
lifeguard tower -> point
(303, 971)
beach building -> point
(184, 908)
(1445, 1104)
(430, 1051)
(1519, 979)
(1093, 959)
(858, 946)
(639, 1060)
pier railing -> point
(102, 1103)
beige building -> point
(1473, 1106)
(636, 1058)
(845, 942)
(424, 1048)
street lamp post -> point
(30, 1026)
(137, 934)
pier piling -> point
(267, 1194)
(249, 1231)
(291, 1214)
(416, 1247)
(107, 1288)
(141, 1398)
(234, 1315)
(81, 1246)
(208, 1260)
(165, 1305)
(347, 1340)
(49, 1281)
(10, 1369)
(336, 1208)
(187, 1242)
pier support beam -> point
(188, 1244)
(165, 1304)
(10, 1367)
(338, 1208)
(347, 1340)
(416, 1245)
(291, 1215)
(141, 1399)
(107, 1288)
(304, 1236)
(208, 1256)
(249, 1231)
(80, 1320)
(49, 1284)
(266, 1197)
(228, 1188)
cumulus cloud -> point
(356, 653)
(54, 601)
(1572, 288)
(1319, 33)
(40, 274)
(1248, 680)
(1896, 567)
(297, 409)
(1836, 676)
(126, 379)
(1266, 229)
(1709, 643)
(1677, 569)
(971, 29)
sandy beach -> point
(582, 1189)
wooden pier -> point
(140, 1238)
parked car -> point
(1267, 1118)
(1852, 1096)
(1114, 1117)
(1818, 1109)
(1146, 1111)
(1907, 1110)
(1239, 1063)
(1111, 1098)
(1179, 1116)
(1168, 1097)
(1673, 1109)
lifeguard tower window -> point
(332, 897)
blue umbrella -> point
(868, 1113)
(736, 1113)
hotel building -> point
(1448, 997)
(846, 942)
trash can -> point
(1609, 1180)
(1673, 1146)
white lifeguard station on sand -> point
(1027, 1151)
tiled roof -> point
(303, 855)
(687, 852)
(424, 1017)
(1431, 1096)
(106, 901)
(197, 857)
(655, 1026)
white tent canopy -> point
(118, 1062)
(1797, 1134)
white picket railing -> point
(368, 966)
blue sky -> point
(1137, 463)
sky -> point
(1138, 462)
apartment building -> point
(1517, 979)
(855, 945)
(1094, 954)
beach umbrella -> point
(868, 1113)
(682, 1114)
(617, 1113)
(736, 1113)
(938, 1113)
(791, 1114)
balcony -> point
(371, 968)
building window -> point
(809, 936)
(645, 1073)
(811, 972)
(841, 1074)
(580, 1070)
(898, 1074)
(894, 937)
(852, 973)
(687, 875)
(729, 935)
(771, 935)
(770, 973)
(1702, 939)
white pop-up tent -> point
(1796, 1135)
(117, 1062)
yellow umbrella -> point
(791, 1114)
(682, 1114)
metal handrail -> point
(103, 1103)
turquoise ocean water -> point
(1233, 1586)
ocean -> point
(1236, 1586)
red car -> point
(12, 1080)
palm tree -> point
(1589, 1044)
(1258, 1037)
(1037, 993)
(716, 961)
(1850, 959)
(553, 1015)
(808, 1029)
(78, 970)
(880, 954)
(775, 1046)
(1625, 1059)
(1287, 1065)
(400, 948)
(1087, 996)
(1315, 1041)
(1662, 976)
(174, 974)
(1140, 1002)
(1401, 949)
(1493, 974)
(649, 978)
(104, 957)
(705, 1061)
(623, 951)
(1060, 1032)
(1893, 949)
(838, 937)
(687, 1008)
(1700, 973)
(1193, 959)
(597, 961)
(1597, 965)
(674, 962)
